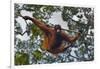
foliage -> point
(38, 55)
(21, 58)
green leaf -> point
(38, 55)
(21, 58)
